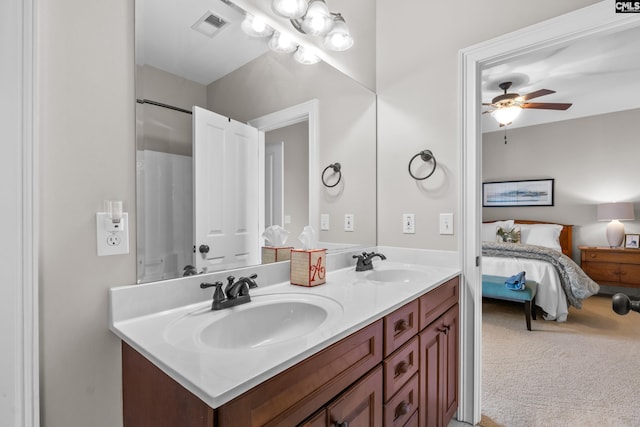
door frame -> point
(306, 111)
(593, 20)
(19, 85)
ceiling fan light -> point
(292, 9)
(506, 115)
(282, 43)
(339, 38)
(255, 27)
(317, 21)
(305, 56)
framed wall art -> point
(535, 192)
(632, 241)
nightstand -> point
(611, 266)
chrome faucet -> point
(235, 293)
(365, 261)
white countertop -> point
(218, 375)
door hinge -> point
(477, 261)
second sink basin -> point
(266, 320)
(397, 275)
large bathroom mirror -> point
(194, 53)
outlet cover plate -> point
(112, 242)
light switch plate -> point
(108, 240)
(348, 222)
(446, 223)
(324, 222)
(409, 223)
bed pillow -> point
(547, 235)
(489, 229)
(508, 235)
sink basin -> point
(397, 276)
(266, 320)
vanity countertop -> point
(217, 375)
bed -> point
(544, 252)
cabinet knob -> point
(402, 409)
(401, 368)
(592, 255)
(401, 325)
(342, 424)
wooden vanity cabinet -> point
(400, 371)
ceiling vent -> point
(209, 24)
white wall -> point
(592, 160)
(87, 155)
(418, 91)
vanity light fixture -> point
(615, 212)
(506, 115)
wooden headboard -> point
(566, 237)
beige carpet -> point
(585, 372)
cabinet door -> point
(439, 370)
(361, 405)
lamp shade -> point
(619, 211)
(505, 115)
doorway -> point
(590, 21)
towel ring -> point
(336, 168)
(426, 156)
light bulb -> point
(317, 21)
(282, 43)
(305, 56)
(292, 9)
(339, 37)
(255, 27)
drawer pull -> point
(592, 255)
(402, 409)
(444, 329)
(342, 424)
(401, 325)
(401, 368)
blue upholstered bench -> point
(494, 287)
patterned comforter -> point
(575, 282)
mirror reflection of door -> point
(225, 189)
(274, 183)
(290, 209)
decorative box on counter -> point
(308, 267)
(275, 253)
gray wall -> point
(296, 176)
(87, 155)
(592, 160)
(418, 91)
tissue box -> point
(275, 253)
(308, 267)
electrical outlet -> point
(324, 222)
(287, 219)
(409, 223)
(446, 223)
(348, 222)
(112, 238)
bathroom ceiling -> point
(598, 75)
(167, 27)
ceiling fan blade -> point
(546, 105)
(536, 94)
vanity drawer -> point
(403, 405)
(401, 366)
(436, 302)
(400, 326)
(293, 395)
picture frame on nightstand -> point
(632, 241)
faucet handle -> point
(218, 295)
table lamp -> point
(615, 212)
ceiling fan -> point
(508, 105)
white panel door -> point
(226, 192)
(274, 184)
